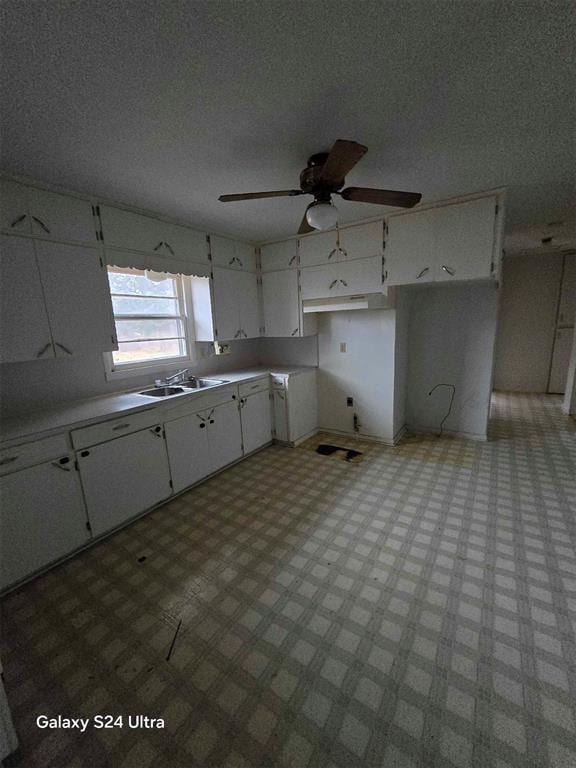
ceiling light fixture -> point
(322, 214)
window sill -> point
(165, 367)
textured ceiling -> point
(166, 105)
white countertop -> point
(81, 412)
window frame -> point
(126, 370)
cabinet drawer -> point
(108, 430)
(197, 402)
(252, 387)
(21, 456)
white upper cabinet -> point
(24, 329)
(362, 241)
(32, 211)
(458, 241)
(343, 278)
(236, 309)
(281, 312)
(232, 254)
(136, 232)
(318, 249)
(249, 305)
(61, 217)
(77, 295)
(282, 255)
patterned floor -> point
(415, 609)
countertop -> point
(82, 412)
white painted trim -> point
(358, 436)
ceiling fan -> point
(323, 177)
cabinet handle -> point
(332, 284)
(238, 332)
(84, 453)
(332, 252)
(18, 220)
(169, 248)
(245, 334)
(242, 402)
(160, 244)
(8, 460)
(59, 464)
(68, 352)
(41, 223)
(211, 421)
(294, 332)
(120, 426)
(232, 260)
(280, 395)
(291, 260)
(44, 349)
(448, 269)
(344, 283)
(202, 425)
(422, 273)
(156, 431)
(240, 262)
(200, 417)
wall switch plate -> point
(350, 402)
(343, 346)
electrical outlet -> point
(350, 402)
(343, 346)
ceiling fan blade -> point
(304, 226)
(258, 195)
(342, 158)
(381, 196)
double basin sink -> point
(182, 388)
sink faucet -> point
(174, 379)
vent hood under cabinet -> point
(343, 303)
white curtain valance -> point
(156, 263)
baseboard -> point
(358, 436)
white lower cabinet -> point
(203, 442)
(295, 406)
(281, 426)
(256, 415)
(43, 518)
(123, 477)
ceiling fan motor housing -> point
(310, 178)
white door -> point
(188, 450)
(282, 255)
(567, 306)
(184, 243)
(24, 328)
(61, 217)
(464, 239)
(226, 304)
(344, 278)
(249, 305)
(255, 411)
(318, 249)
(77, 293)
(43, 518)
(280, 415)
(280, 303)
(363, 241)
(409, 252)
(124, 229)
(14, 207)
(224, 434)
(560, 361)
(123, 477)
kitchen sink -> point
(201, 383)
(162, 391)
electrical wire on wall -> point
(453, 388)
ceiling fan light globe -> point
(322, 215)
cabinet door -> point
(248, 303)
(255, 411)
(61, 217)
(409, 253)
(280, 303)
(280, 407)
(279, 255)
(226, 307)
(343, 278)
(24, 328)
(124, 477)
(363, 241)
(232, 254)
(124, 229)
(560, 361)
(75, 284)
(188, 450)
(464, 239)
(318, 249)
(14, 207)
(43, 518)
(184, 243)
(245, 256)
(224, 434)
(567, 306)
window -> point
(152, 323)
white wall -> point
(365, 371)
(569, 402)
(39, 384)
(530, 288)
(451, 340)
